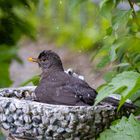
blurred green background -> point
(98, 39)
(105, 32)
(73, 25)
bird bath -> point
(23, 117)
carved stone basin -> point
(22, 117)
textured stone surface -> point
(23, 117)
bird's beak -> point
(33, 59)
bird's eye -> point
(43, 60)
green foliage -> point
(127, 129)
(121, 49)
(14, 23)
(122, 37)
(6, 54)
(75, 24)
(126, 84)
(136, 98)
(34, 80)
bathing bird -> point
(61, 88)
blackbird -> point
(60, 88)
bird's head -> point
(48, 59)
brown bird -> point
(58, 87)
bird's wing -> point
(74, 93)
(85, 93)
(64, 89)
(77, 90)
(64, 95)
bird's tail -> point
(115, 102)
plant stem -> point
(134, 13)
(132, 7)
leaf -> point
(126, 83)
(106, 7)
(136, 98)
(103, 62)
(4, 75)
(34, 80)
(7, 53)
(121, 65)
(126, 129)
(109, 31)
(109, 75)
(113, 51)
(121, 19)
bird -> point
(58, 87)
(62, 88)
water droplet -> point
(60, 1)
(57, 28)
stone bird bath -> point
(22, 117)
